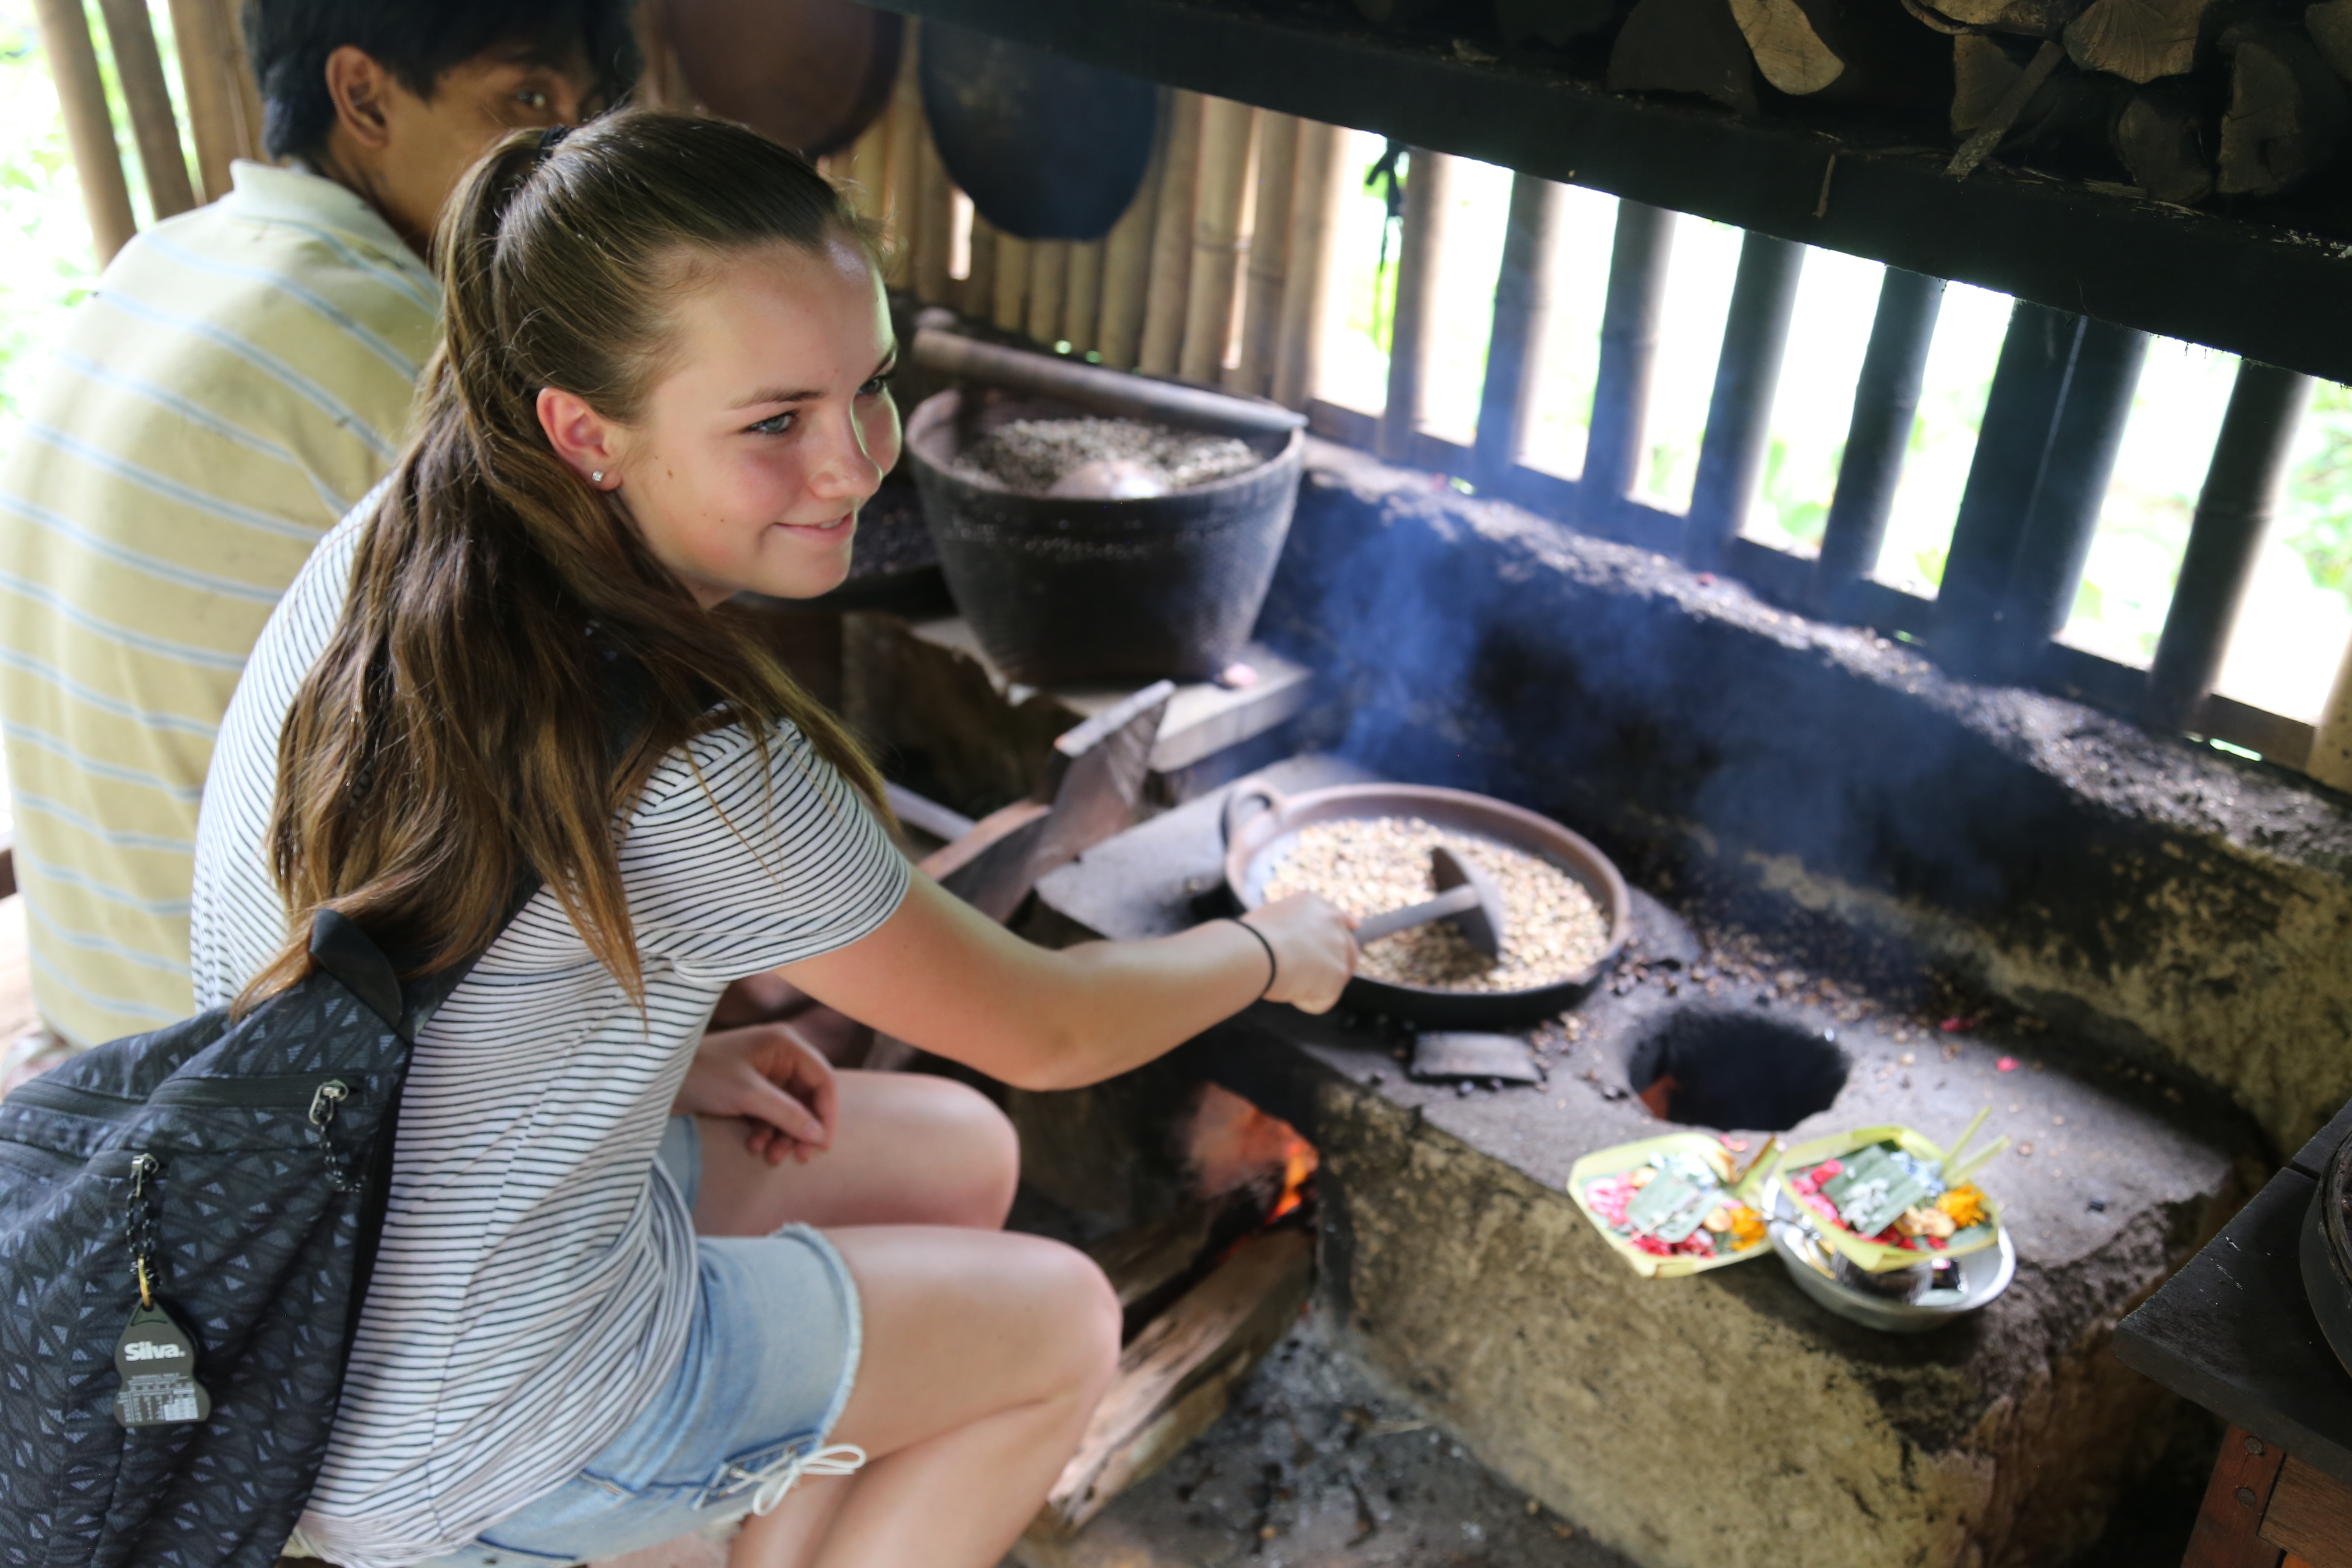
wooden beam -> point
(1885, 404)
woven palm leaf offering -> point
(1673, 1205)
(1888, 1198)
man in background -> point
(238, 379)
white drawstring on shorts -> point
(779, 1478)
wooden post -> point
(153, 122)
(979, 279)
(1049, 269)
(908, 137)
(1885, 404)
(1082, 296)
(934, 223)
(1428, 196)
(1319, 184)
(1127, 258)
(1629, 341)
(1277, 157)
(1522, 316)
(1012, 283)
(1172, 240)
(1740, 414)
(2233, 515)
(89, 125)
(1226, 132)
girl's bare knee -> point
(985, 1162)
(1089, 1326)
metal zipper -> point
(306, 1093)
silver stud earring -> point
(597, 478)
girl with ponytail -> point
(638, 1276)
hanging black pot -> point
(1046, 148)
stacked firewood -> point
(2184, 99)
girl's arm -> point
(940, 975)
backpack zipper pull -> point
(324, 1105)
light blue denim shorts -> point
(770, 1361)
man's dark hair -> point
(418, 41)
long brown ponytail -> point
(454, 729)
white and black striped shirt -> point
(537, 1275)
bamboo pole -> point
(1049, 268)
(1127, 259)
(1277, 157)
(1523, 305)
(980, 277)
(89, 126)
(246, 93)
(155, 125)
(934, 224)
(1227, 130)
(1428, 196)
(908, 134)
(1012, 283)
(1172, 240)
(1082, 300)
(214, 112)
(1319, 184)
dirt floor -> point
(1312, 1468)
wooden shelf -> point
(2251, 287)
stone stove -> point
(1721, 1420)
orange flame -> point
(1233, 1143)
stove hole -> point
(1734, 1069)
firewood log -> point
(1845, 53)
(2330, 25)
(1982, 74)
(2287, 114)
(2160, 137)
(1555, 22)
(2024, 19)
(2138, 40)
(1685, 46)
(1789, 52)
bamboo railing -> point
(223, 108)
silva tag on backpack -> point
(158, 1363)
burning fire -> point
(1233, 1144)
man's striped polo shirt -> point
(241, 376)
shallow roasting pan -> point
(1261, 821)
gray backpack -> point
(187, 1221)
